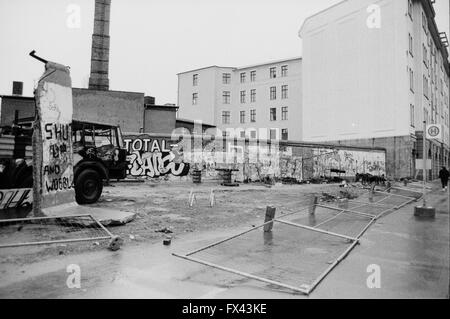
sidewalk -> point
(413, 256)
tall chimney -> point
(100, 47)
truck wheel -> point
(88, 187)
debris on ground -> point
(326, 197)
(167, 240)
(348, 194)
(115, 243)
(164, 230)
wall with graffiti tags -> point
(351, 162)
(154, 157)
(255, 160)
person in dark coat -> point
(444, 175)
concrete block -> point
(424, 212)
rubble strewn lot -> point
(162, 209)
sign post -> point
(431, 132)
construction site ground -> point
(412, 254)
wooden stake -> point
(270, 215)
(212, 198)
(314, 202)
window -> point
(424, 23)
(273, 73)
(411, 80)
(273, 114)
(411, 114)
(253, 116)
(194, 98)
(284, 113)
(253, 95)
(410, 44)
(273, 93)
(242, 97)
(410, 8)
(284, 70)
(242, 117)
(425, 86)
(273, 134)
(284, 134)
(242, 134)
(195, 80)
(243, 76)
(253, 76)
(226, 116)
(284, 91)
(253, 134)
(425, 55)
(226, 78)
(226, 97)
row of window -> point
(226, 115)
(434, 116)
(273, 94)
(272, 134)
(425, 83)
(226, 95)
(226, 77)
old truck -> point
(99, 156)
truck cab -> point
(98, 156)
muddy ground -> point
(162, 209)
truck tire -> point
(88, 187)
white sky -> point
(153, 40)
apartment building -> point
(373, 72)
(257, 101)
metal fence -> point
(51, 230)
(304, 245)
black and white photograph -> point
(219, 156)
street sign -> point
(419, 164)
(434, 131)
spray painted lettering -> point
(15, 198)
(57, 161)
(154, 157)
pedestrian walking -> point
(444, 175)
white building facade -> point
(258, 101)
(372, 72)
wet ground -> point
(411, 255)
(162, 208)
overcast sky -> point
(153, 40)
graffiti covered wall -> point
(351, 162)
(155, 156)
(151, 157)
(52, 139)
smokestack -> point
(100, 47)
